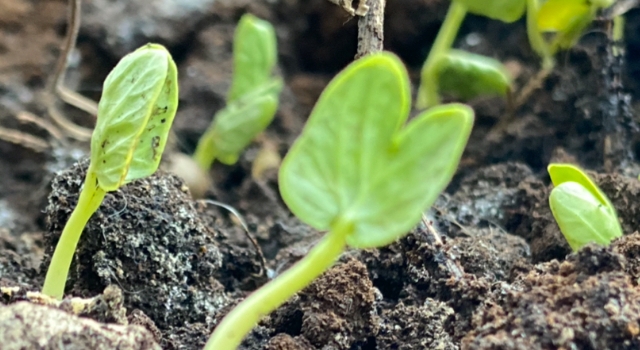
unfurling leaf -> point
(582, 211)
(503, 10)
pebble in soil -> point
(147, 238)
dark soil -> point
(158, 269)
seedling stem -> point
(90, 198)
(229, 333)
(446, 36)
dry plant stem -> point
(30, 118)
(451, 265)
(56, 87)
(23, 139)
(371, 29)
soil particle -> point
(284, 341)
(147, 238)
(337, 311)
(415, 327)
(585, 302)
(58, 330)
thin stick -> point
(55, 86)
(371, 29)
(451, 265)
(265, 271)
(23, 139)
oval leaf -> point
(582, 218)
(136, 110)
(467, 75)
(354, 164)
(235, 126)
(254, 55)
(560, 15)
(503, 10)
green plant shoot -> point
(481, 75)
(582, 211)
(566, 18)
(358, 172)
(486, 73)
(136, 111)
(252, 101)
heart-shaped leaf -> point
(254, 55)
(136, 110)
(357, 165)
(503, 10)
(468, 75)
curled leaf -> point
(469, 75)
(136, 111)
(357, 165)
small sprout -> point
(566, 18)
(253, 97)
(135, 113)
(481, 75)
(358, 172)
(580, 208)
(487, 74)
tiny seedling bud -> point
(253, 98)
(482, 75)
(136, 110)
(582, 211)
(358, 172)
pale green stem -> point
(238, 323)
(90, 198)
(537, 42)
(428, 95)
(205, 153)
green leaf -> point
(136, 110)
(581, 209)
(469, 75)
(503, 10)
(561, 173)
(356, 165)
(235, 126)
(560, 15)
(254, 55)
(582, 218)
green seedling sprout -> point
(566, 18)
(358, 172)
(138, 104)
(488, 75)
(253, 97)
(582, 211)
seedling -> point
(359, 173)
(444, 68)
(138, 104)
(580, 208)
(567, 19)
(253, 98)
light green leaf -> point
(503, 10)
(561, 173)
(136, 111)
(254, 55)
(469, 75)
(582, 218)
(356, 165)
(235, 126)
